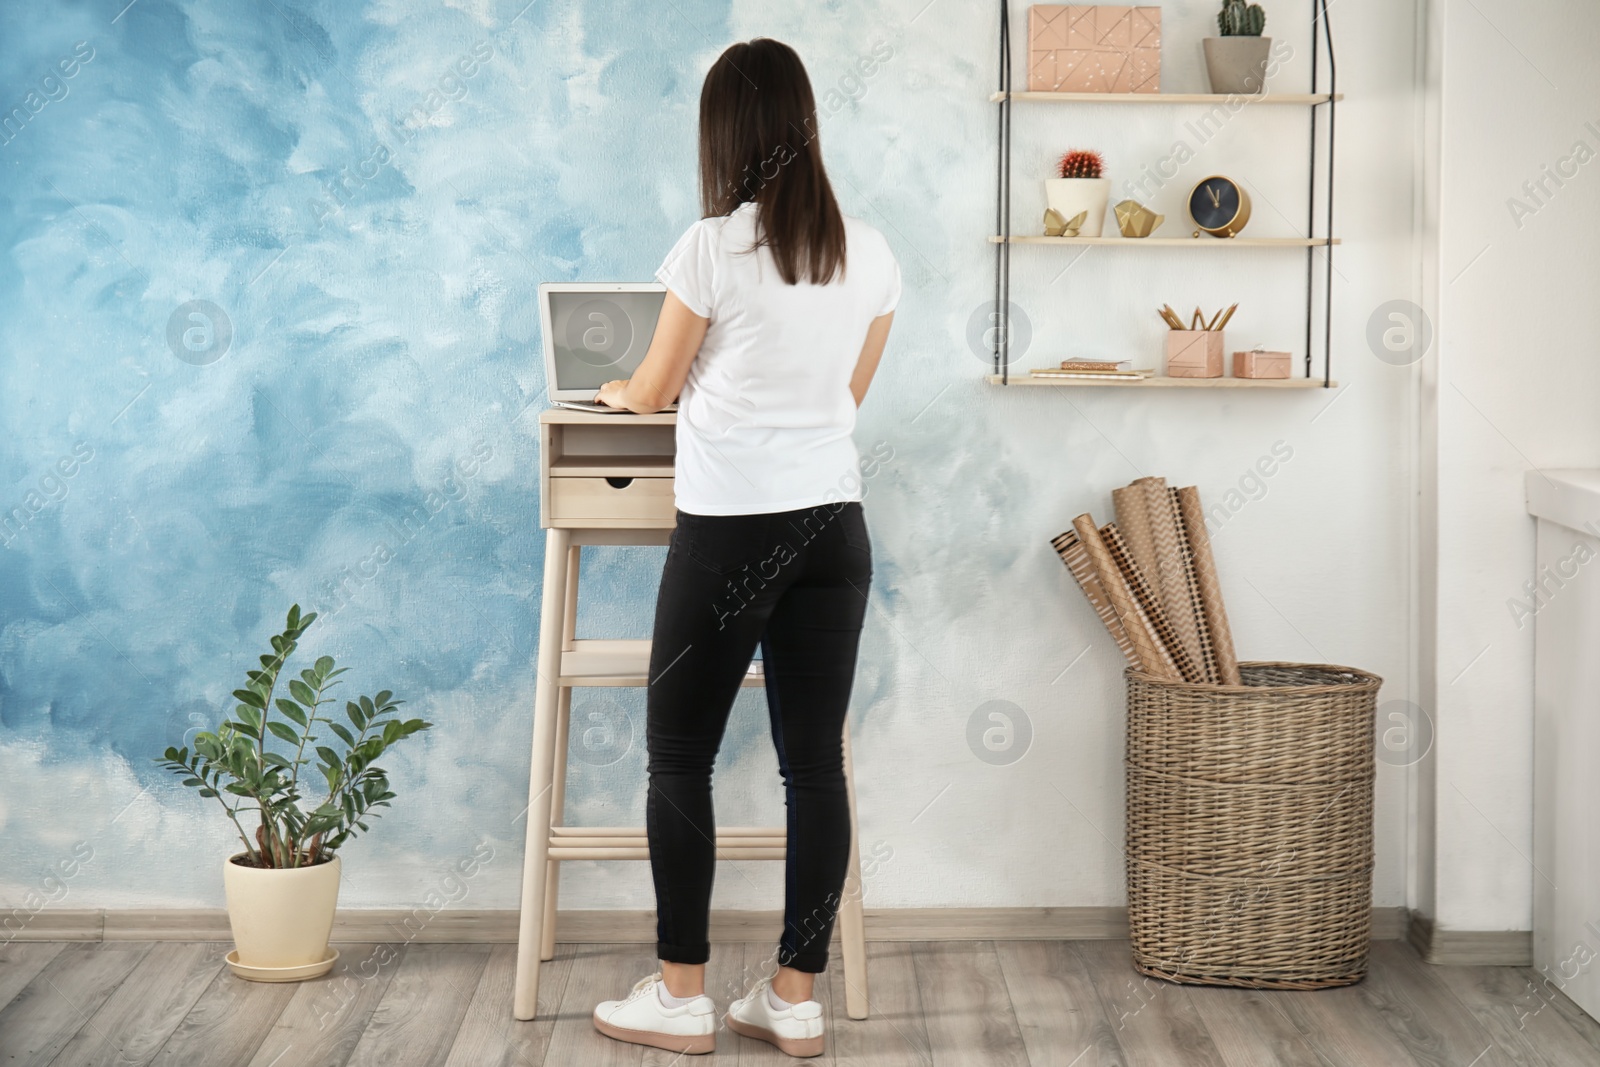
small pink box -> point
(1104, 48)
(1194, 353)
(1259, 364)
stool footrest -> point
(631, 843)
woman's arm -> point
(871, 352)
(659, 379)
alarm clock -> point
(1219, 206)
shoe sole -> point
(683, 1044)
(794, 1046)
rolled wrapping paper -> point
(1173, 583)
(1076, 557)
(1208, 650)
(1150, 607)
(1133, 519)
(1216, 616)
(1146, 648)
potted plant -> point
(282, 889)
(1080, 188)
(1236, 62)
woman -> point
(776, 313)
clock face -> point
(1214, 204)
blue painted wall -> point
(270, 335)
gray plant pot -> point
(1237, 64)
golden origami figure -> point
(1056, 226)
(1136, 220)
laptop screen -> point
(598, 336)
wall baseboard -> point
(631, 926)
(1470, 948)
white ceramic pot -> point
(1237, 64)
(1072, 195)
(281, 917)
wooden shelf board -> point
(1024, 378)
(1300, 99)
(615, 662)
(620, 466)
(1170, 242)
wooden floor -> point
(995, 1004)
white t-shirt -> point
(765, 417)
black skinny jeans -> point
(794, 582)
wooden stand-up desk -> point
(607, 480)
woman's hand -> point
(611, 394)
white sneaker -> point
(796, 1029)
(643, 1020)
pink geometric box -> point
(1259, 364)
(1094, 49)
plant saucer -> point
(297, 973)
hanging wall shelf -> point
(1319, 100)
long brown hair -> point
(758, 143)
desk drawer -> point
(623, 502)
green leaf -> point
(391, 731)
(382, 698)
(366, 706)
(208, 793)
(302, 692)
(251, 697)
(344, 735)
(277, 760)
(324, 665)
(329, 756)
(294, 616)
(191, 782)
(291, 711)
(353, 710)
(335, 674)
(284, 730)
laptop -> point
(595, 332)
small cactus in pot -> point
(1077, 195)
(1236, 62)
(1239, 19)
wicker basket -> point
(1250, 826)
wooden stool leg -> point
(558, 797)
(852, 915)
(558, 782)
(530, 929)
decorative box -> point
(1194, 354)
(1094, 49)
(1259, 364)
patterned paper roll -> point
(1167, 533)
(1076, 557)
(1133, 519)
(1145, 645)
(1208, 651)
(1150, 607)
(1216, 616)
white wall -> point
(1511, 384)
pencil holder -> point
(1194, 354)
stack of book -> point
(1091, 368)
